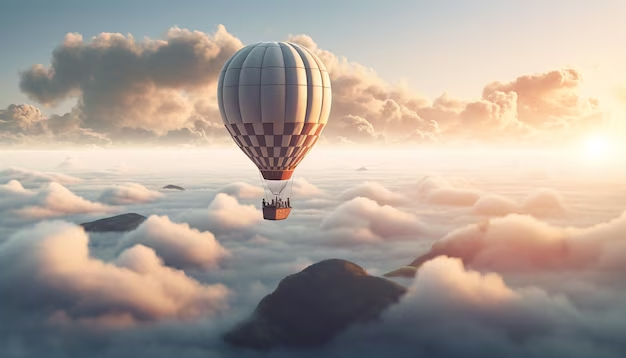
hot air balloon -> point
(274, 99)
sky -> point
(415, 51)
(435, 46)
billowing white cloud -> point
(374, 191)
(13, 186)
(227, 211)
(523, 243)
(34, 177)
(224, 214)
(444, 282)
(162, 92)
(550, 99)
(453, 312)
(177, 244)
(542, 106)
(70, 163)
(544, 202)
(24, 125)
(49, 201)
(159, 88)
(50, 264)
(495, 205)
(364, 220)
(450, 311)
(446, 191)
(242, 190)
(302, 188)
(539, 203)
(128, 193)
(21, 119)
(355, 129)
(13, 194)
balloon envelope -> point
(274, 98)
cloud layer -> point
(531, 284)
(51, 200)
(50, 264)
(242, 190)
(540, 203)
(162, 92)
(128, 193)
(363, 220)
(158, 91)
(224, 214)
(374, 191)
(367, 109)
(523, 243)
(177, 244)
(446, 191)
(451, 311)
(35, 177)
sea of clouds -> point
(524, 251)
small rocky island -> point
(410, 269)
(124, 222)
(404, 271)
(309, 308)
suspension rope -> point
(263, 185)
(291, 187)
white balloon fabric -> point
(274, 98)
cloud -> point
(542, 106)
(365, 108)
(177, 244)
(13, 194)
(24, 125)
(464, 316)
(128, 193)
(50, 201)
(544, 202)
(224, 215)
(539, 203)
(550, 99)
(450, 311)
(446, 191)
(364, 220)
(496, 205)
(356, 129)
(230, 214)
(135, 90)
(517, 243)
(535, 107)
(70, 163)
(48, 269)
(13, 186)
(302, 188)
(21, 119)
(242, 190)
(374, 191)
(34, 177)
(445, 283)
(162, 92)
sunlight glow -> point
(597, 147)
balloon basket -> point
(272, 213)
